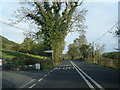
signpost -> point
(49, 51)
(37, 66)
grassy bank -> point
(17, 59)
(106, 62)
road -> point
(73, 74)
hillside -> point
(5, 43)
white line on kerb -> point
(84, 78)
(32, 86)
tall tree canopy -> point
(55, 20)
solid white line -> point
(84, 78)
(27, 83)
(32, 86)
(40, 79)
(98, 85)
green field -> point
(17, 59)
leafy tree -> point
(98, 50)
(117, 34)
(26, 45)
(81, 44)
(73, 51)
(84, 49)
(16, 47)
(91, 50)
(54, 20)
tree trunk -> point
(57, 51)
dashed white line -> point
(27, 83)
(32, 86)
(40, 79)
(45, 75)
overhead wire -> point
(106, 32)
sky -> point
(101, 16)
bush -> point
(113, 63)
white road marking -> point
(32, 86)
(40, 79)
(45, 75)
(28, 83)
(84, 78)
(98, 85)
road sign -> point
(48, 51)
(37, 65)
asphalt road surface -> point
(72, 74)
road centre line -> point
(28, 83)
(40, 79)
(84, 78)
(32, 86)
(98, 85)
(45, 75)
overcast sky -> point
(101, 16)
